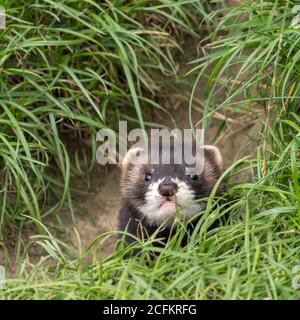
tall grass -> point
(252, 255)
(68, 69)
(246, 258)
(254, 54)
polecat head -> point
(162, 191)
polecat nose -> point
(167, 189)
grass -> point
(69, 69)
(253, 52)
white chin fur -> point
(155, 214)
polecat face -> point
(162, 191)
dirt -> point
(97, 212)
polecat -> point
(155, 194)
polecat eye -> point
(148, 176)
(193, 177)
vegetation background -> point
(69, 68)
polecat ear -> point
(213, 160)
(134, 157)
